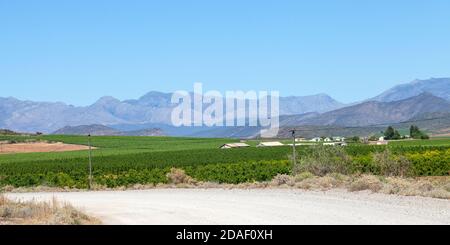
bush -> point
(235, 173)
(366, 182)
(179, 176)
(431, 162)
(390, 165)
(322, 160)
(283, 179)
(302, 176)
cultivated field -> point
(127, 161)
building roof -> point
(273, 143)
(234, 145)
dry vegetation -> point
(395, 181)
(427, 187)
(45, 213)
(436, 187)
(178, 176)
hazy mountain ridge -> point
(374, 112)
(306, 104)
(152, 108)
(439, 87)
(102, 130)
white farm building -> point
(270, 144)
(234, 145)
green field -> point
(123, 160)
(431, 142)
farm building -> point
(300, 139)
(270, 144)
(327, 139)
(234, 145)
(338, 138)
(316, 139)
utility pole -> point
(90, 161)
(294, 155)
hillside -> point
(439, 87)
(373, 112)
(319, 131)
(8, 132)
(95, 129)
(101, 130)
(308, 104)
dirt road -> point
(256, 206)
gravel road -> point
(254, 206)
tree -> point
(391, 134)
(415, 133)
(373, 138)
(354, 139)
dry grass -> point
(427, 187)
(179, 177)
(366, 182)
(45, 213)
(436, 187)
(282, 179)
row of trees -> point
(414, 132)
(392, 134)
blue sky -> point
(77, 51)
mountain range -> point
(439, 87)
(150, 114)
(152, 108)
(97, 129)
(375, 112)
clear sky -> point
(77, 51)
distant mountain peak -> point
(153, 93)
(376, 112)
(106, 100)
(439, 87)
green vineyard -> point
(125, 161)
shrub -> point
(302, 176)
(235, 173)
(395, 185)
(283, 179)
(390, 165)
(366, 182)
(322, 160)
(179, 176)
(431, 162)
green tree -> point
(354, 139)
(415, 133)
(391, 134)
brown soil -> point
(40, 147)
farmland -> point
(124, 161)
